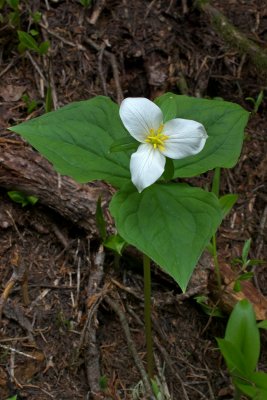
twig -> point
(80, 47)
(113, 65)
(36, 66)
(100, 69)
(10, 65)
(170, 365)
(89, 333)
(116, 308)
(18, 352)
(97, 11)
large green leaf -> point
(255, 386)
(224, 123)
(243, 332)
(171, 223)
(77, 139)
(235, 360)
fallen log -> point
(231, 35)
(23, 169)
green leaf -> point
(124, 144)
(36, 16)
(224, 123)
(22, 198)
(34, 32)
(262, 324)
(227, 202)
(214, 311)
(243, 332)
(115, 243)
(13, 3)
(44, 46)
(103, 382)
(170, 223)
(169, 170)
(237, 286)
(245, 250)
(86, 3)
(235, 360)
(77, 139)
(255, 387)
(28, 41)
(246, 276)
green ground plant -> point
(241, 350)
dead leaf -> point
(12, 92)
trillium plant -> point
(144, 149)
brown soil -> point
(122, 48)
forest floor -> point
(121, 48)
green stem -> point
(237, 394)
(148, 330)
(216, 263)
(216, 190)
(216, 181)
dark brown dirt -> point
(156, 46)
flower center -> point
(157, 138)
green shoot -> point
(28, 42)
(244, 262)
(48, 100)
(86, 3)
(103, 383)
(22, 198)
(213, 311)
(31, 104)
(256, 103)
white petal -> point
(139, 115)
(146, 165)
(185, 138)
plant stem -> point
(216, 264)
(216, 190)
(216, 181)
(148, 330)
(237, 394)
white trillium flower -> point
(176, 139)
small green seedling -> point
(241, 350)
(28, 42)
(86, 3)
(13, 398)
(208, 309)
(256, 103)
(22, 198)
(103, 383)
(36, 17)
(244, 262)
(31, 104)
(13, 17)
(112, 242)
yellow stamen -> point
(157, 138)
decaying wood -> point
(22, 168)
(229, 297)
(235, 38)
